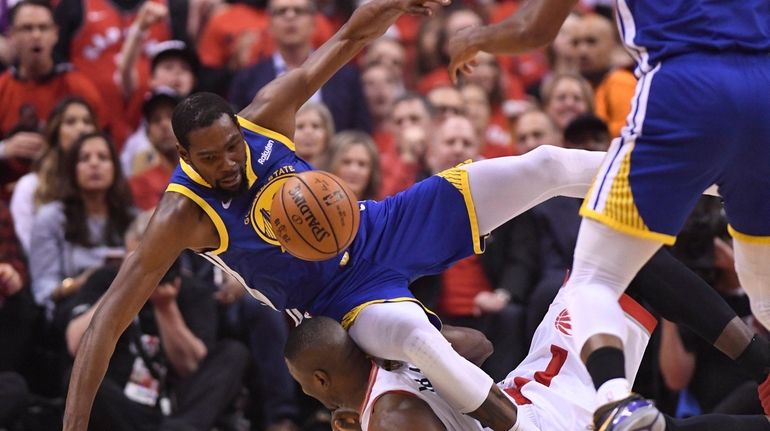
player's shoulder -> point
(179, 215)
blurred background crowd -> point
(86, 95)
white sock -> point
(612, 390)
(752, 262)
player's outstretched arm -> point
(535, 24)
(177, 224)
(276, 104)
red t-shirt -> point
(43, 95)
(148, 187)
(460, 285)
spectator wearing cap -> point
(148, 186)
(32, 88)
(291, 28)
(91, 37)
(141, 150)
(173, 65)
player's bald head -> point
(318, 342)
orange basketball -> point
(315, 215)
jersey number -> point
(558, 358)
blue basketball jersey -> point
(249, 250)
(654, 30)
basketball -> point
(315, 215)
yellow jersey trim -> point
(251, 176)
(753, 239)
(246, 124)
(224, 238)
(630, 230)
(195, 176)
(459, 178)
(350, 317)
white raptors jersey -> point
(409, 380)
(553, 379)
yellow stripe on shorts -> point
(619, 210)
(459, 178)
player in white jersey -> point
(551, 388)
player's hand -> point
(422, 7)
(25, 145)
(149, 14)
(462, 53)
(10, 280)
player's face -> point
(311, 386)
(33, 34)
(218, 154)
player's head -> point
(211, 142)
(326, 362)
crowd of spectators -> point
(87, 90)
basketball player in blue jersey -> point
(700, 115)
(218, 205)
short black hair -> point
(39, 3)
(585, 128)
(197, 111)
(410, 95)
(310, 334)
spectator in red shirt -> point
(36, 83)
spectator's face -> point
(355, 168)
(380, 90)
(75, 122)
(458, 21)
(486, 73)
(389, 53)
(454, 142)
(534, 129)
(159, 130)
(174, 73)
(564, 47)
(477, 106)
(95, 172)
(310, 135)
(291, 22)
(33, 35)
(594, 42)
(446, 101)
(566, 102)
(408, 113)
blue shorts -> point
(420, 231)
(696, 120)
